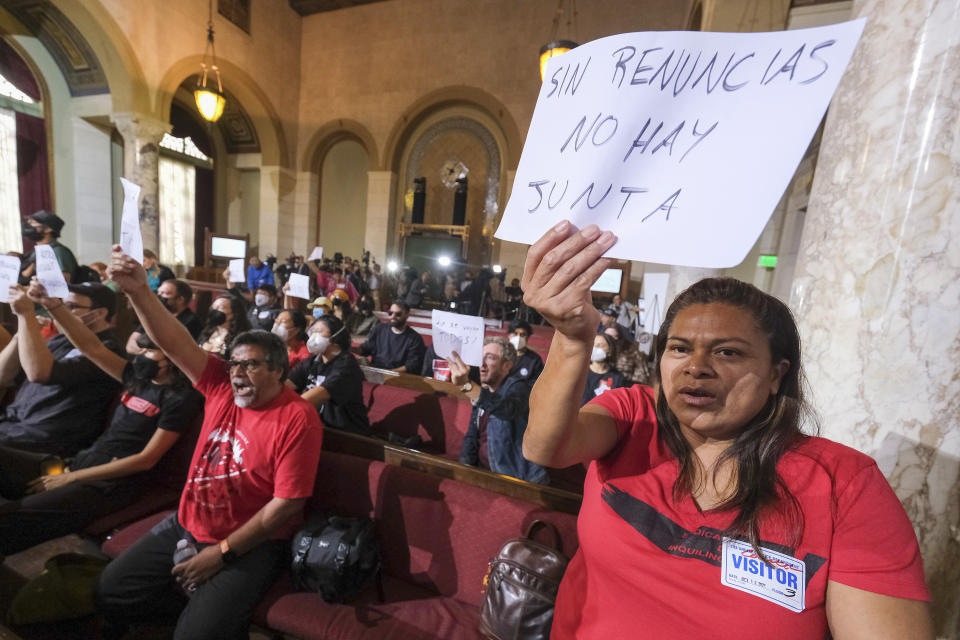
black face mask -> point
(144, 368)
(166, 303)
(216, 318)
(30, 232)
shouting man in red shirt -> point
(251, 473)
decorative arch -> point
(273, 142)
(324, 138)
(445, 98)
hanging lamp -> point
(209, 97)
(555, 46)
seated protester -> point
(500, 408)
(259, 273)
(395, 345)
(252, 471)
(608, 320)
(157, 273)
(331, 379)
(265, 309)
(225, 321)
(361, 323)
(601, 376)
(341, 306)
(291, 327)
(631, 362)
(320, 307)
(157, 406)
(44, 227)
(175, 295)
(61, 406)
(529, 364)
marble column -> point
(379, 231)
(877, 286)
(141, 157)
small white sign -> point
(236, 271)
(299, 286)
(131, 241)
(781, 580)
(316, 254)
(49, 274)
(460, 333)
(681, 143)
(9, 272)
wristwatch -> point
(227, 554)
(467, 387)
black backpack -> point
(336, 557)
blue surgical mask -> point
(317, 312)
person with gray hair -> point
(501, 407)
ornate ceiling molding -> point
(309, 7)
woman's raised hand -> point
(560, 269)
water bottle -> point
(185, 551)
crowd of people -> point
(692, 437)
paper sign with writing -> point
(130, 239)
(236, 271)
(316, 254)
(49, 274)
(460, 333)
(681, 143)
(9, 272)
(299, 286)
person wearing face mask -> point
(395, 345)
(175, 295)
(62, 405)
(529, 364)
(43, 227)
(331, 379)
(265, 309)
(291, 326)
(157, 406)
(361, 323)
(320, 307)
(601, 376)
(225, 321)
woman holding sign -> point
(706, 511)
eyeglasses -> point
(246, 365)
(73, 307)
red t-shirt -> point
(246, 457)
(298, 353)
(651, 567)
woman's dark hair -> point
(334, 324)
(299, 322)
(767, 436)
(611, 358)
(178, 379)
(274, 350)
(238, 323)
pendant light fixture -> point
(210, 100)
(555, 46)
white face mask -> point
(519, 342)
(317, 344)
(261, 299)
(280, 331)
(598, 355)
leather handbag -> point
(521, 587)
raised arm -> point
(163, 328)
(35, 356)
(560, 268)
(855, 614)
(79, 335)
(9, 361)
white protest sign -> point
(316, 254)
(9, 272)
(130, 239)
(460, 333)
(299, 286)
(681, 143)
(48, 272)
(236, 271)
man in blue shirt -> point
(258, 273)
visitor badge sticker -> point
(782, 580)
